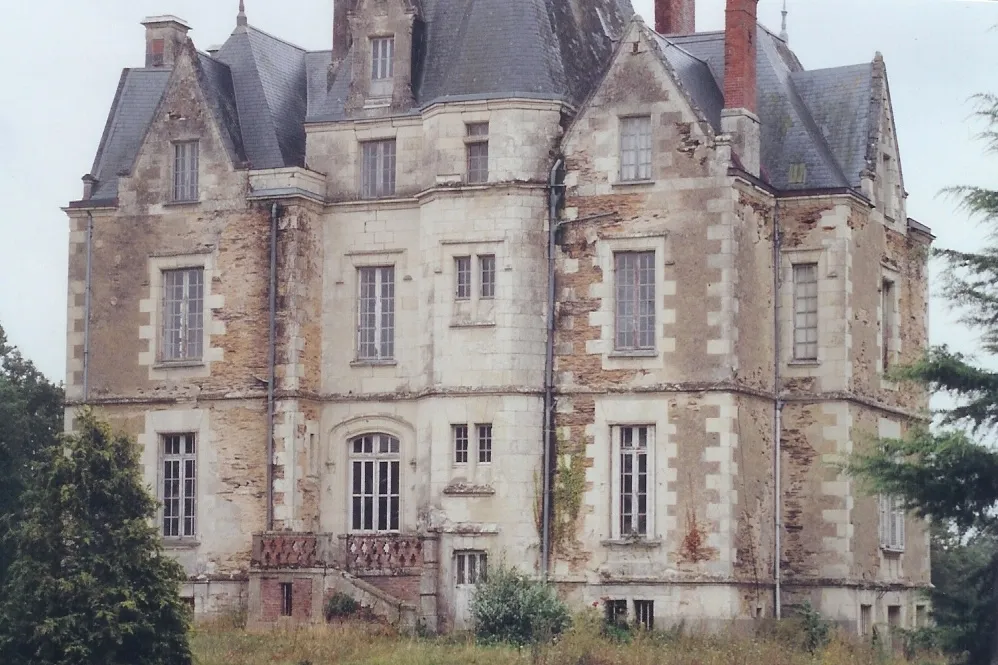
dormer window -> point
(382, 58)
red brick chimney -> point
(739, 118)
(675, 17)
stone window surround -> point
(472, 460)
(619, 122)
(606, 249)
(157, 425)
(616, 484)
(376, 457)
(350, 278)
(153, 305)
(470, 412)
(888, 274)
(476, 311)
(791, 258)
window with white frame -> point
(382, 58)
(477, 146)
(462, 272)
(635, 148)
(806, 311)
(487, 276)
(892, 516)
(183, 315)
(185, 171)
(377, 177)
(179, 483)
(888, 314)
(633, 451)
(484, 432)
(376, 313)
(470, 567)
(375, 468)
(475, 274)
(461, 436)
(461, 443)
(634, 320)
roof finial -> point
(784, 35)
(241, 16)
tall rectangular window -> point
(644, 613)
(477, 145)
(633, 445)
(634, 275)
(892, 531)
(865, 619)
(382, 58)
(462, 273)
(487, 270)
(375, 482)
(460, 434)
(376, 313)
(377, 169)
(484, 444)
(887, 322)
(179, 484)
(806, 311)
(635, 148)
(287, 599)
(185, 171)
(183, 314)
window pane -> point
(185, 171)
(462, 271)
(478, 162)
(806, 311)
(378, 168)
(487, 267)
(484, 444)
(460, 444)
(376, 313)
(635, 148)
(634, 274)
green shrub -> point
(816, 630)
(340, 605)
(511, 607)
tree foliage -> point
(90, 583)
(31, 415)
(945, 474)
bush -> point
(510, 607)
(340, 605)
(816, 630)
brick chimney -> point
(675, 17)
(165, 37)
(739, 117)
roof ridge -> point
(250, 28)
(676, 46)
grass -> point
(371, 644)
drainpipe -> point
(86, 307)
(272, 365)
(549, 438)
(777, 421)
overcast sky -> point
(61, 61)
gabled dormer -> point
(382, 35)
(883, 158)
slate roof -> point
(815, 124)
(263, 90)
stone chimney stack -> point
(341, 28)
(675, 17)
(739, 117)
(165, 36)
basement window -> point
(616, 612)
(287, 598)
(644, 613)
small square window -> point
(460, 444)
(616, 612)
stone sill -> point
(180, 544)
(175, 204)
(473, 324)
(177, 364)
(804, 363)
(633, 183)
(891, 551)
(647, 543)
(646, 353)
(374, 363)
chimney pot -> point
(675, 17)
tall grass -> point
(583, 644)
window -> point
(644, 613)
(462, 270)
(487, 270)
(635, 148)
(374, 483)
(634, 274)
(892, 516)
(616, 612)
(382, 58)
(921, 616)
(806, 311)
(893, 623)
(185, 171)
(460, 443)
(470, 567)
(478, 152)
(183, 314)
(633, 445)
(377, 169)
(484, 444)
(865, 619)
(888, 178)
(887, 315)
(179, 486)
(287, 598)
(376, 316)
